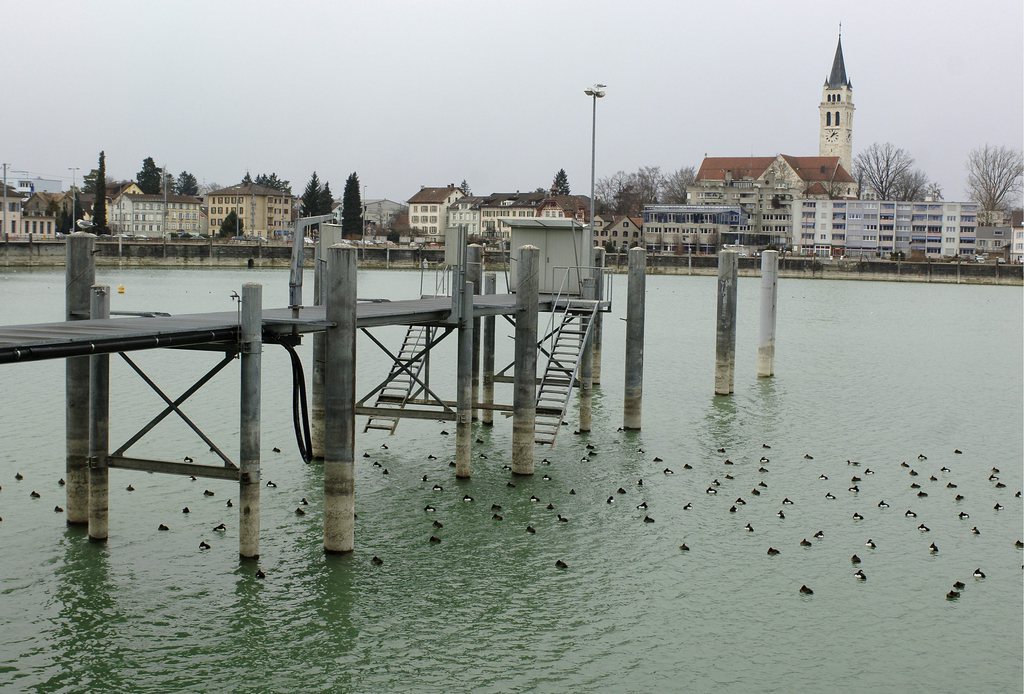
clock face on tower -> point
(849, 136)
(832, 136)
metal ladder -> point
(401, 386)
(563, 365)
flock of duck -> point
(722, 484)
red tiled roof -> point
(715, 168)
(819, 168)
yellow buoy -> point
(120, 289)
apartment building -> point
(428, 211)
(10, 216)
(264, 212)
(621, 233)
(693, 228)
(154, 215)
(879, 228)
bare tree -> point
(912, 185)
(627, 193)
(207, 188)
(934, 191)
(993, 178)
(674, 187)
(881, 167)
(610, 191)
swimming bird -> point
(975, 531)
(950, 485)
(721, 450)
(854, 489)
(531, 530)
(855, 559)
(740, 501)
(963, 515)
(495, 516)
(437, 488)
(620, 490)
(376, 464)
(220, 528)
(657, 460)
(772, 551)
(882, 504)
(765, 445)
(186, 510)
(129, 488)
(546, 478)
(787, 502)
(534, 499)
(764, 460)
(437, 524)
(229, 504)
(959, 497)
(710, 490)
(998, 506)
(869, 471)
(304, 502)
(640, 482)
(763, 484)
(668, 471)
(922, 456)
(376, 561)
(684, 548)
(855, 479)
(162, 527)
(870, 543)
(805, 542)
(562, 519)
(904, 464)
(550, 507)
(366, 455)
(780, 514)
(203, 545)
(823, 477)
(34, 494)
(431, 456)
(207, 492)
(444, 433)
(467, 498)
(857, 516)
(642, 504)
(60, 482)
(687, 507)
(434, 539)
(924, 528)
(18, 476)
(915, 485)
(271, 484)
(860, 575)
(978, 573)
(762, 469)
(429, 509)
(729, 477)
(187, 459)
(808, 456)
(934, 548)
(959, 585)
(957, 451)
(648, 519)
(510, 484)
(561, 564)
(933, 478)
(749, 528)
(952, 595)
(755, 491)
(299, 511)
(611, 500)
(943, 469)
(852, 462)
(687, 466)
(727, 462)
(912, 473)
(1018, 544)
(58, 509)
(806, 591)
(820, 534)
(276, 449)
(732, 509)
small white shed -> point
(566, 249)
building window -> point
(828, 118)
(837, 118)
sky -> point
(408, 93)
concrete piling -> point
(524, 398)
(487, 415)
(769, 302)
(635, 308)
(340, 400)
(474, 274)
(465, 374)
(99, 426)
(80, 275)
(598, 330)
(586, 375)
(249, 425)
(316, 408)
(725, 338)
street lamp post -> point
(74, 194)
(595, 92)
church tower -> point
(835, 132)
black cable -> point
(300, 410)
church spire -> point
(837, 78)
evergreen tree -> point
(272, 181)
(246, 179)
(351, 209)
(148, 178)
(89, 181)
(99, 206)
(186, 184)
(326, 199)
(232, 225)
(311, 196)
(560, 186)
(464, 187)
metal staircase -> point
(567, 344)
(401, 385)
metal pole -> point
(769, 301)
(474, 274)
(487, 416)
(593, 154)
(340, 400)
(80, 275)
(725, 340)
(249, 428)
(598, 329)
(464, 387)
(99, 426)
(4, 226)
(586, 380)
(635, 310)
(524, 399)
(319, 339)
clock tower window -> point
(837, 118)
(828, 118)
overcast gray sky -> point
(428, 93)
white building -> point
(35, 184)
(879, 228)
(428, 211)
(146, 215)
